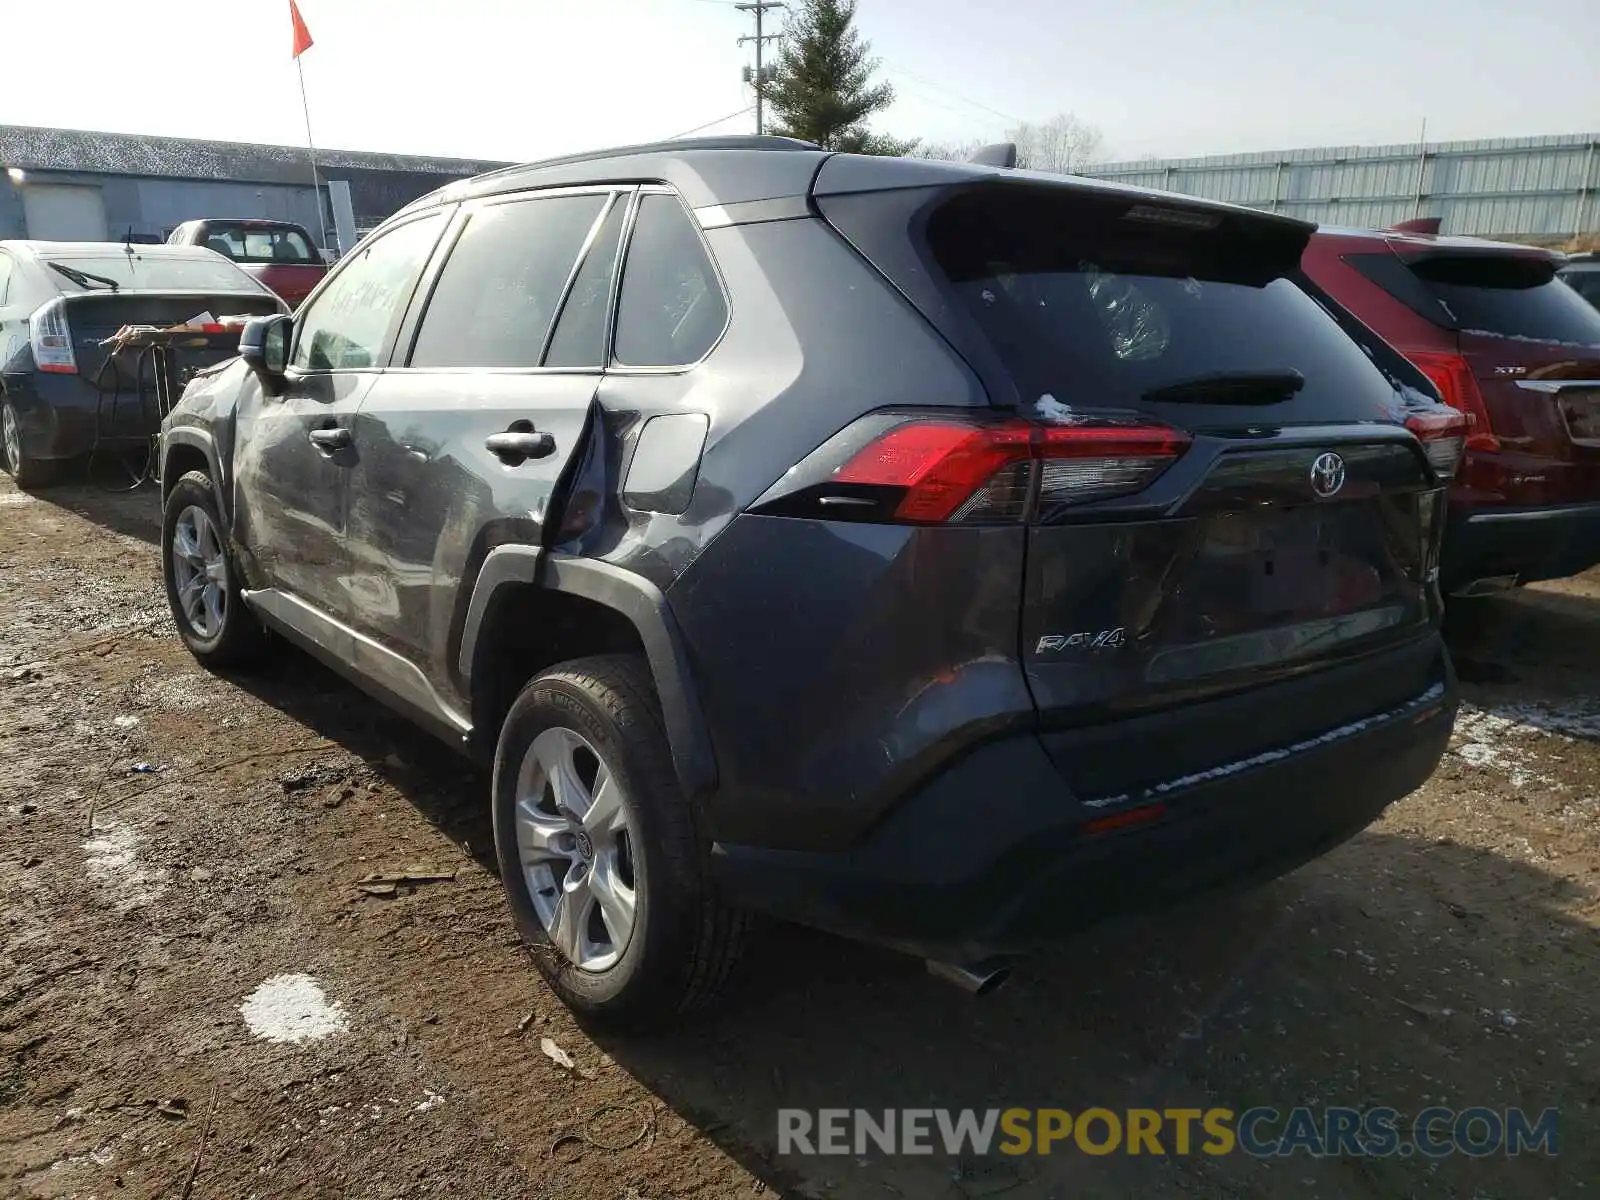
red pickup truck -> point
(280, 254)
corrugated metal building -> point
(1535, 188)
(70, 184)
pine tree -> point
(822, 89)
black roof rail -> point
(1000, 154)
(677, 146)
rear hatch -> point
(1237, 499)
(1529, 349)
(95, 316)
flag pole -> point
(311, 147)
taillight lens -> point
(1085, 463)
(945, 468)
(936, 469)
(1452, 375)
(52, 338)
(1444, 439)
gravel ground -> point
(198, 998)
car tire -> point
(28, 473)
(203, 580)
(597, 715)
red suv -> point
(1518, 352)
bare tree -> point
(1063, 144)
(946, 151)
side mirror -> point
(264, 346)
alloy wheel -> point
(200, 571)
(575, 842)
(12, 436)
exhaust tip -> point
(976, 979)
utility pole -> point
(759, 7)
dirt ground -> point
(170, 842)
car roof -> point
(249, 222)
(1433, 241)
(719, 172)
(70, 250)
(706, 171)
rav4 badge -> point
(1106, 639)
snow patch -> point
(112, 857)
(1538, 341)
(1222, 771)
(125, 721)
(102, 1156)
(1514, 738)
(1052, 409)
(433, 1101)
(292, 1008)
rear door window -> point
(497, 296)
(580, 336)
(671, 310)
(1085, 308)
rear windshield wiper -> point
(83, 279)
(1233, 387)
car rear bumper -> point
(1530, 544)
(64, 416)
(998, 855)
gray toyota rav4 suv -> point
(939, 554)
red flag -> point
(302, 35)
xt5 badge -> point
(1106, 639)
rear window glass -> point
(1097, 313)
(260, 244)
(164, 273)
(1509, 297)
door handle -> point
(335, 437)
(516, 445)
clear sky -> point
(523, 79)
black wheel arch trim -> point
(195, 439)
(633, 597)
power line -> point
(944, 89)
(709, 124)
(929, 99)
(759, 8)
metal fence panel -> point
(1544, 187)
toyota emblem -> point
(1327, 475)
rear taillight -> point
(945, 469)
(1452, 375)
(52, 338)
(1443, 435)
(935, 469)
(1084, 463)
